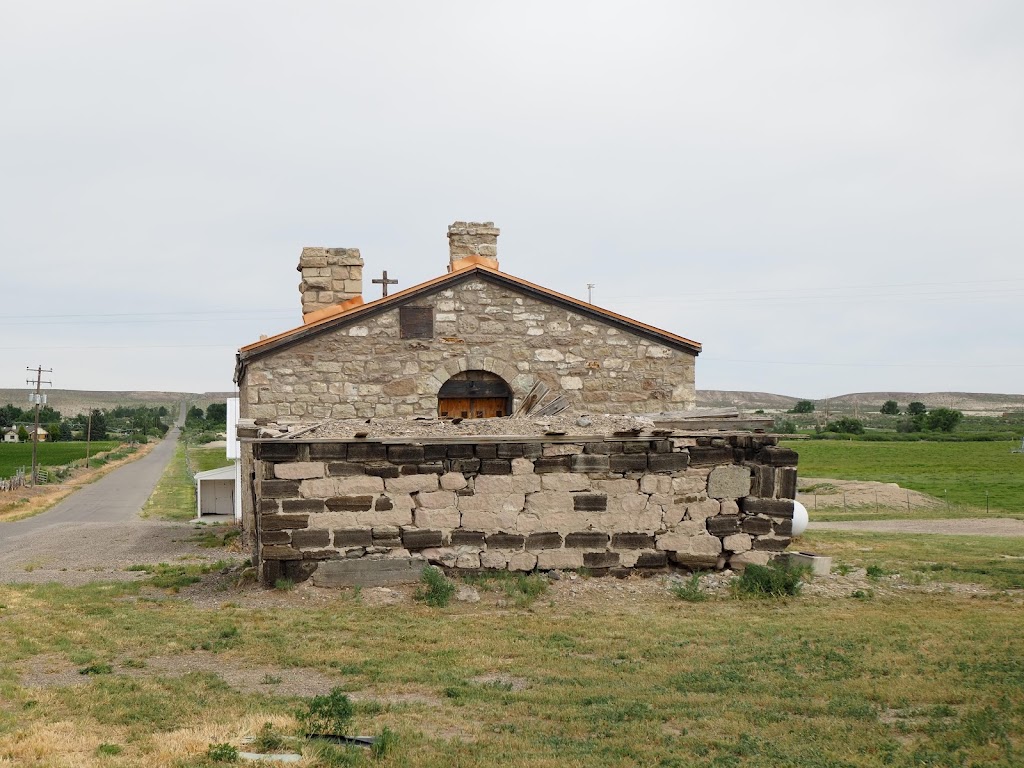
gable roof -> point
(351, 314)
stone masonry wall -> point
(366, 370)
(609, 505)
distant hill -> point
(73, 401)
(980, 403)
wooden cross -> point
(384, 282)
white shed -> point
(215, 491)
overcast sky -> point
(828, 196)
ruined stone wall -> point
(365, 369)
(546, 503)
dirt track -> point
(967, 526)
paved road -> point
(96, 531)
(992, 526)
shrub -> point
(385, 742)
(846, 425)
(916, 408)
(222, 753)
(875, 571)
(777, 579)
(328, 715)
(267, 740)
(690, 590)
(943, 419)
(437, 590)
(890, 408)
(803, 406)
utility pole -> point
(88, 439)
(37, 399)
(590, 292)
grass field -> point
(207, 458)
(961, 472)
(891, 681)
(16, 455)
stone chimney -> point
(330, 276)
(472, 242)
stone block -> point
(367, 452)
(321, 554)
(461, 538)
(277, 451)
(368, 573)
(309, 539)
(453, 481)
(509, 450)
(308, 506)
(586, 540)
(752, 505)
(559, 559)
(741, 560)
(703, 509)
(468, 560)
(771, 543)
(467, 466)
(526, 483)
(418, 538)
(269, 506)
(532, 450)
(777, 456)
(561, 449)
(341, 486)
(623, 487)
(405, 454)
(505, 541)
(494, 559)
(486, 450)
(729, 482)
(697, 544)
(590, 502)
(495, 467)
(723, 525)
(383, 504)
(299, 470)
(632, 541)
(710, 455)
(493, 484)
(345, 468)
(737, 542)
(584, 463)
(436, 500)
(599, 449)
(352, 537)
(283, 522)
(435, 452)
(627, 462)
(362, 503)
(426, 468)
(667, 462)
(756, 526)
(447, 518)
(328, 451)
(413, 484)
(275, 537)
(785, 482)
(461, 452)
(279, 552)
(279, 489)
(548, 502)
(763, 482)
(522, 561)
(522, 466)
(549, 540)
(636, 446)
(549, 464)
(696, 562)
(600, 559)
(651, 560)
(567, 481)
(783, 528)
(730, 507)
(655, 484)
(382, 469)
(445, 556)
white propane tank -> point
(799, 518)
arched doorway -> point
(474, 395)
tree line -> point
(133, 422)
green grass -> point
(917, 679)
(959, 472)
(208, 458)
(989, 561)
(13, 456)
(174, 497)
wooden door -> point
(472, 407)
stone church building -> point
(469, 343)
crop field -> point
(960, 473)
(16, 455)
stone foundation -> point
(520, 504)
